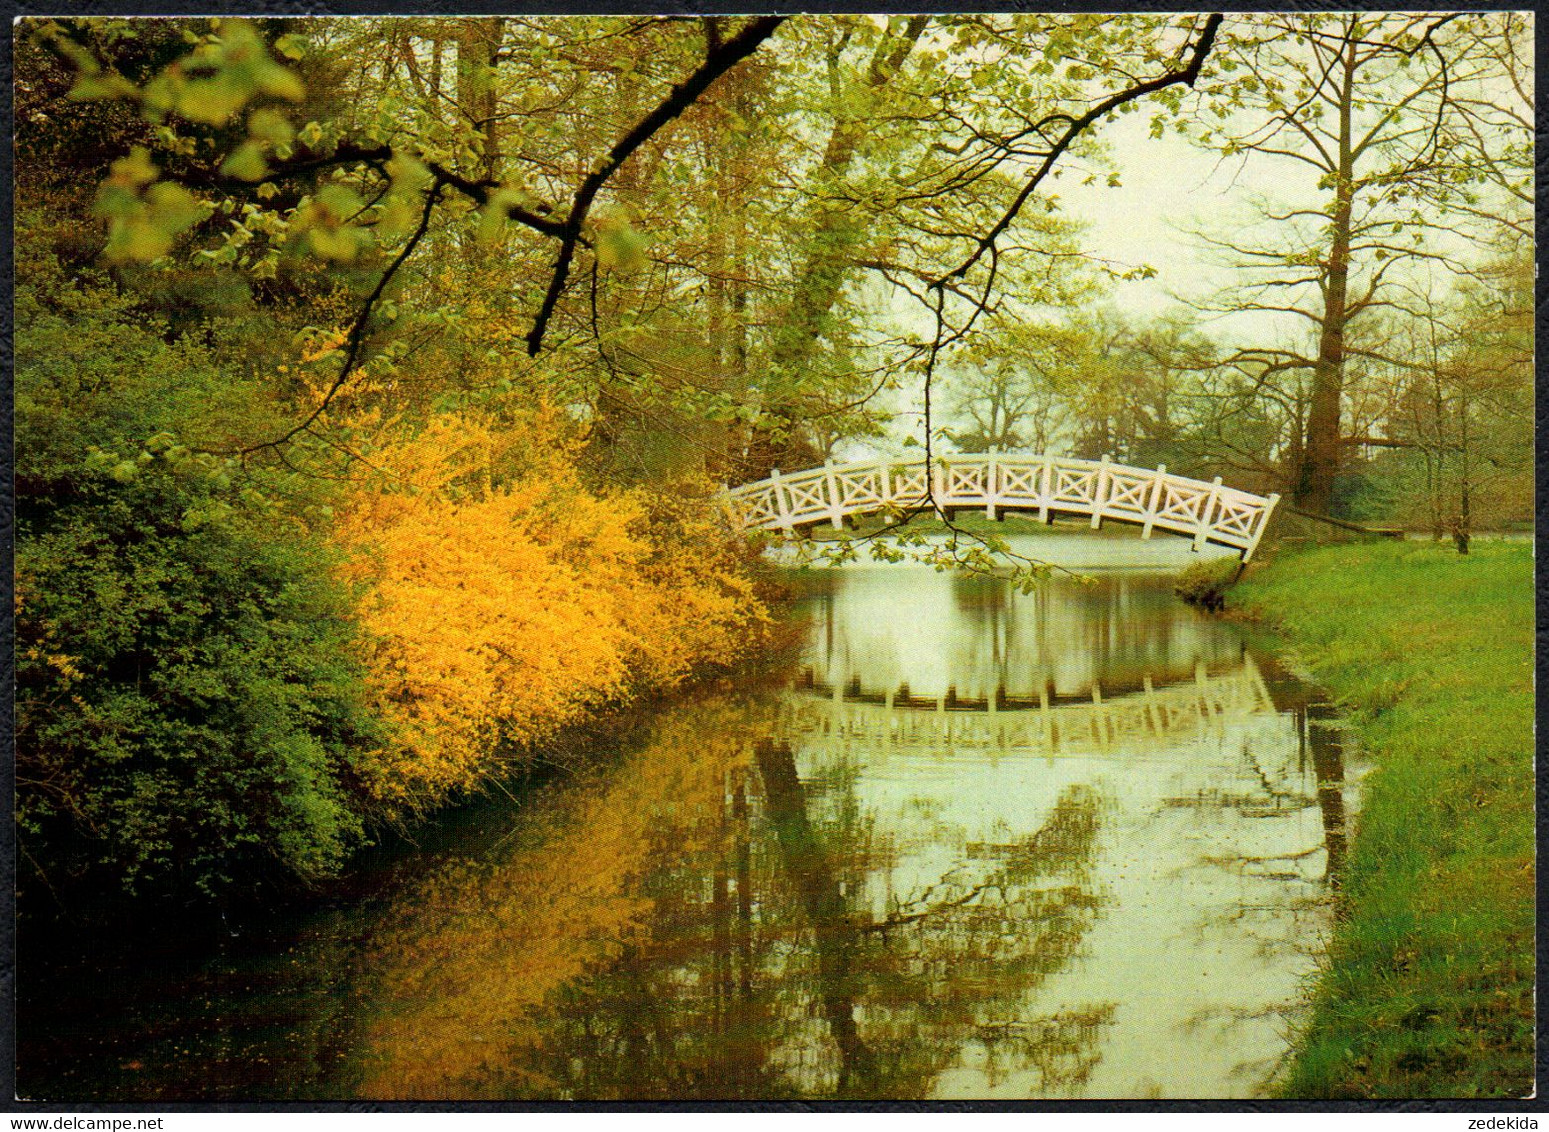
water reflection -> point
(983, 845)
(977, 635)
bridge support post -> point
(1207, 514)
(1154, 500)
(1100, 492)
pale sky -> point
(1168, 187)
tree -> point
(191, 708)
(1010, 391)
(1462, 406)
(1369, 105)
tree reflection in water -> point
(738, 949)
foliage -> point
(187, 702)
(1205, 582)
(1428, 990)
(1378, 116)
(508, 601)
(512, 294)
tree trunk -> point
(1313, 488)
(478, 43)
(834, 231)
(811, 871)
(1462, 527)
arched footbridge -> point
(1152, 499)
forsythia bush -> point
(506, 600)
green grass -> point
(1428, 991)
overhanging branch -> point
(1187, 75)
(720, 57)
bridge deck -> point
(1002, 482)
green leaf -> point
(136, 240)
(281, 82)
(134, 170)
(173, 208)
(270, 126)
(407, 172)
(291, 46)
(116, 202)
(91, 87)
(246, 162)
(619, 247)
(213, 100)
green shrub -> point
(1205, 583)
(187, 694)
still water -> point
(973, 844)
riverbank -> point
(1428, 990)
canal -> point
(969, 843)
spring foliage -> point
(227, 670)
(189, 697)
(505, 600)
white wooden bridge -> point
(1005, 482)
(1049, 724)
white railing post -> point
(1155, 500)
(783, 518)
(1045, 488)
(1100, 492)
(991, 484)
(835, 504)
(938, 483)
(1206, 513)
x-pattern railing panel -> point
(1074, 485)
(1129, 492)
(863, 487)
(1022, 481)
(1209, 512)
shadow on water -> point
(1075, 843)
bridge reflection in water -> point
(1213, 784)
(1104, 722)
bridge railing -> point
(998, 482)
(1208, 705)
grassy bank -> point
(1429, 988)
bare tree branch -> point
(719, 58)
